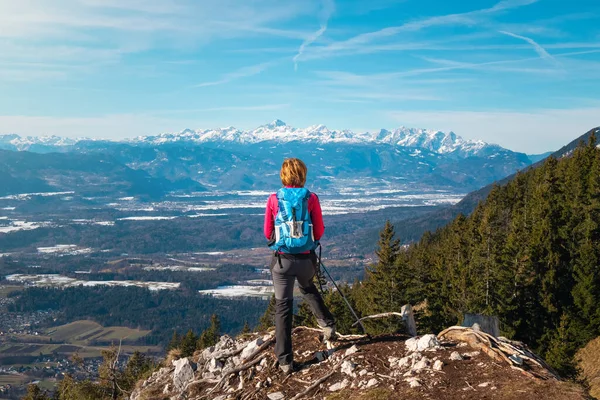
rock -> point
(276, 396)
(484, 384)
(372, 383)
(320, 356)
(428, 342)
(516, 359)
(421, 364)
(438, 365)
(412, 344)
(215, 365)
(471, 354)
(348, 368)
(455, 356)
(251, 348)
(405, 362)
(362, 372)
(339, 386)
(351, 351)
(183, 374)
(413, 382)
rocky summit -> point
(459, 363)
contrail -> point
(326, 12)
(537, 47)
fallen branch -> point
(377, 316)
(242, 367)
(338, 335)
(322, 379)
(227, 354)
(314, 385)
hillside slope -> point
(588, 360)
(412, 229)
(357, 367)
(89, 174)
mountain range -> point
(278, 131)
(233, 159)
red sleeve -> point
(269, 223)
(316, 216)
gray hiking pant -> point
(299, 267)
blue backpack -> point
(293, 226)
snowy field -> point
(240, 291)
(351, 196)
(9, 226)
(64, 250)
(179, 268)
(55, 280)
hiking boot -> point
(289, 369)
(329, 333)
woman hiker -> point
(293, 226)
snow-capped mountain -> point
(277, 131)
(431, 140)
(25, 143)
(234, 159)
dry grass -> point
(588, 360)
(172, 355)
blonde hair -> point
(293, 172)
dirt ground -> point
(475, 377)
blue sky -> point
(521, 73)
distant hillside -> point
(528, 254)
(412, 229)
(88, 174)
(233, 159)
(538, 157)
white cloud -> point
(535, 131)
(97, 32)
(240, 73)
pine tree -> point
(562, 348)
(305, 317)
(246, 329)
(138, 367)
(35, 393)
(344, 319)
(382, 291)
(188, 344)
(175, 341)
(268, 318)
(211, 335)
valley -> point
(134, 240)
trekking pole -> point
(358, 321)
